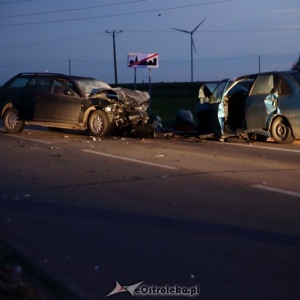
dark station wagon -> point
(59, 101)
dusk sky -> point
(43, 35)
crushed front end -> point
(131, 109)
(126, 108)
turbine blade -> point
(181, 30)
(198, 26)
(193, 45)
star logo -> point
(120, 288)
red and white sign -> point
(142, 60)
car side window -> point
(63, 87)
(41, 84)
(283, 87)
(263, 85)
(19, 83)
(218, 93)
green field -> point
(168, 98)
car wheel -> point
(281, 131)
(98, 123)
(12, 121)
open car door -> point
(210, 110)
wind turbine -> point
(192, 44)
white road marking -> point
(259, 147)
(275, 190)
(29, 139)
(132, 160)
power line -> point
(72, 9)
(13, 2)
(117, 14)
(64, 39)
(33, 64)
(161, 62)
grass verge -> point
(168, 98)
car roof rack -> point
(40, 73)
(53, 74)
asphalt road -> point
(174, 212)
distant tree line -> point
(296, 65)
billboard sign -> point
(142, 60)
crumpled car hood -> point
(93, 88)
(134, 96)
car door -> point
(211, 114)
(218, 97)
(57, 101)
(256, 108)
(19, 92)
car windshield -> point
(91, 86)
(296, 77)
(218, 92)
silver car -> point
(258, 105)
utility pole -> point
(114, 33)
(70, 67)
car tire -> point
(281, 131)
(12, 121)
(98, 123)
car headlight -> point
(109, 108)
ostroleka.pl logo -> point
(140, 289)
